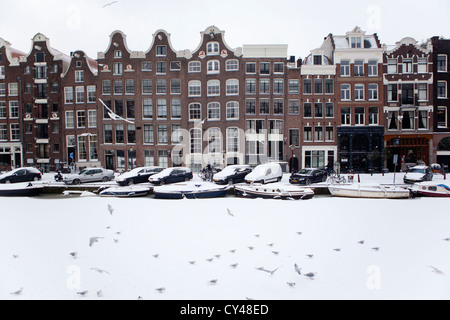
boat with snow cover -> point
(431, 189)
(191, 191)
(25, 189)
(369, 191)
(273, 191)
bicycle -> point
(335, 178)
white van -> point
(265, 173)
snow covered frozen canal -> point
(199, 250)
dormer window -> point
(161, 51)
(117, 54)
(356, 42)
(79, 64)
(40, 57)
(317, 60)
(212, 48)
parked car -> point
(418, 174)
(265, 173)
(171, 175)
(232, 174)
(89, 175)
(308, 176)
(138, 175)
(21, 175)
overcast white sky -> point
(86, 25)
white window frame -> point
(232, 87)
(195, 88)
(446, 91)
(373, 92)
(446, 63)
(67, 92)
(421, 92)
(195, 67)
(14, 111)
(232, 110)
(214, 136)
(233, 140)
(360, 117)
(213, 67)
(81, 116)
(346, 94)
(195, 114)
(79, 76)
(213, 48)
(91, 94)
(92, 118)
(15, 131)
(373, 68)
(70, 120)
(232, 65)
(80, 95)
(392, 66)
(422, 65)
(213, 111)
(213, 88)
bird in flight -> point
(437, 271)
(17, 293)
(297, 269)
(100, 270)
(110, 209)
(109, 4)
(94, 240)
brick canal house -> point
(319, 118)
(11, 118)
(80, 112)
(408, 79)
(42, 104)
(358, 58)
(441, 101)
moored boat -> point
(274, 191)
(369, 191)
(431, 189)
(191, 191)
(26, 189)
(126, 192)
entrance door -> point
(109, 161)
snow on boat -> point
(191, 191)
(125, 192)
(274, 191)
(431, 189)
(369, 191)
(25, 189)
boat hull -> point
(435, 191)
(191, 195)
(265, 193)
(369, 193)
(21, 190)
(125, 192)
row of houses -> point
(353, 103)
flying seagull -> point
(437, 271)
(291, 284)
(297, 269)
(310, 275)
(17, 293)
(361, 242)
(83, 293)
(310, 256)
(74, 254)
(100, 270)
(114, 116)
(376, 249)
(337, 250)
(110, 209)
(109, 4)
(214, 281)
(93, 240)
(230, 213)
(161, 290)
(156, 256)
(234, 266)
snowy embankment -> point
(362, 249)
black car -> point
(232, 174)
(171, 175)
(21, 175)
(308, 176)
(138, 175)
